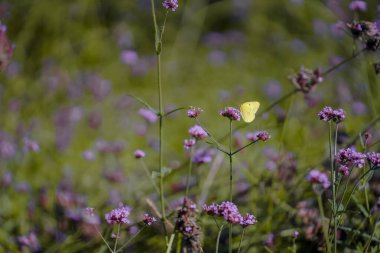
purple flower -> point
(88, 155)
(118, 215)
(194, 112)
(328, 114)
(296, 234)
(129, 57)
(374, 158)
(248, 219)
(258, 136)
(231, 113)
(188, 143)
(149, 219)
(350, 158)
(139, 154)
(203, 156)
(170, 4)
(306, 79)
(344, 170)
(358, 6)
(198, 132)
(29, 241)
(89, 216)
(148, 115)
(318, 177)
(6, 48)
(31, 145)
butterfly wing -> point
(248, 110)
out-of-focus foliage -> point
(67, 87)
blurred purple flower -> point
(170, 4)
(273, 89)
(194, 112)
(269, 241)
(217, 57)
(258, 136)
(31, 145)
(358, 108)
(344, 170)
(203, 155)
(374, 159)
(318, 177)
(198, 132)
(188, 143)
(358, 5)
(94, 119)
(129, 57)
(328, 114)
(149, 219)
(148, 115)
(29, 241)
(105, 147)
(88, 155)
(139, 154)
(89, 216)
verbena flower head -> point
(374, 159)
(118, 215)
(248, 219)
(358, 5)
(306, 80)
(149, 219)
(328, 114)
(139, 154)
(344, 170)
(231, 113)
(148, 115)
(194, 112)
(350, 158)
(188, 143)
(318, 177)
(198, 132)
(170, 4)
(258, 136)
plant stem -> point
(170, 243)
(230, 157)
(332, 171)
(241, 239)
(117, 237)
(217, 240)
(130, 239)
(322, 214)
(179, 242)
(342, 63)
(189, 172)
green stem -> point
(332, 171)
(241, 240)
(189, 172)
(217, 240)
(179, 242)
(117, 237)
(322, 214)
(104, 240)
(230, 156)
(170, 243)
(130, 239)
(240, 149)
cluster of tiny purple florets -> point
(328, 114)
(198, 132)
(231, 113)
(149, 219)
(350, 158)
(374, 158)
(358, 5)
(170, 4)
(230, 213)
(188, 143)
(194, 112)
(118, 215)
(258, 136)
(318, 177)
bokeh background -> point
(66, 90)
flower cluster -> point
(358, 5)
(258, 136)
(367, 32)
(170, 4)
(318, 177)
(149, 219)
(374, 158)
(194, 112)
(231, 113)
(188, 143)
(306, 79)
(350, 158)
(203, 155)
(328, 114)
(230, 212)
(118, 215)
(198, 132)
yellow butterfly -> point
(248, 110)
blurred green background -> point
(75, 61)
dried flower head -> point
(231, 113)
(306, 79)
(149, 219)
(170, 4)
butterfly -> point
(248, 110)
